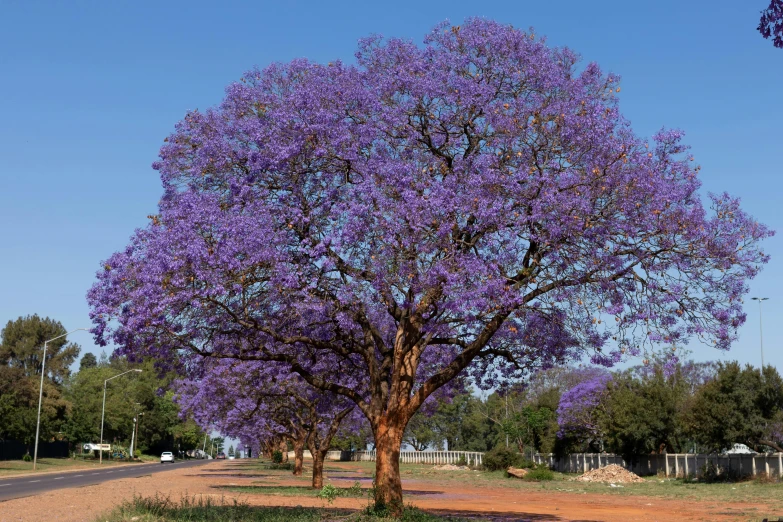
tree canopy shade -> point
(473, 204)
(771, 23)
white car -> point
(166, 456)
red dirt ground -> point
(501, 504)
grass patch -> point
(18, 467)
(199, 509)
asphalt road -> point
(35, 484)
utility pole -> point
(761, 331)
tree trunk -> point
(298, 456)
(318, 468)
(283, 448)
(388, 485)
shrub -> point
(462, 461)
(27, 457)
(502, 458)
(540, 473)
(277, 457)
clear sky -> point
(88, 91)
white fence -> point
(473, 458)
(669, 464)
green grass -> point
(18, 467)
(200, 509)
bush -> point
(540, 473)
(462, 461)
(502, 458)
(27, 457)
(277, 457)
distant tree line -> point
(71, 406)
(660, 406)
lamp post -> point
(761, 331)
(40, 392)
(103, 409)
(135, 432)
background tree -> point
(88, 361)
(421, 434)
(740, 405)
(771, 23)
(18, 402)
(476, 204)
(643, 414)
(22, 342)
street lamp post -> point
(103, 409)
(135, 432)
(40, 392)
(761, 330)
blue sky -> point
(88, 91)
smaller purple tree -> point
(577, 413)
(251, 399)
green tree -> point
(739, 406)
(22, 343)
(644, 413)
(420, 434)
(88, 361)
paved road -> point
(35, 484)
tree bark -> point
(388, 485)
(299, 444)
(283, 448)
(318, 468)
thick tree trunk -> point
(388, 485)
(318, 469)
(298, 456)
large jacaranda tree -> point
(473, 204)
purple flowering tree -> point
(579, 407)
(476, 204)
(246, 399)
(771, 23)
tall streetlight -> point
(761, 331)
(40, 391)
(103, 409)
(135, 432)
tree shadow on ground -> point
(500, 517)
(232, 475)
(308, 491)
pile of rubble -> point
(613, 474)
(451, 467)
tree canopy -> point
(474, 204)
(22, 344)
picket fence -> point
(669, 464)
(473, 458)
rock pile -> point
(451, 467)
(613, 474)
